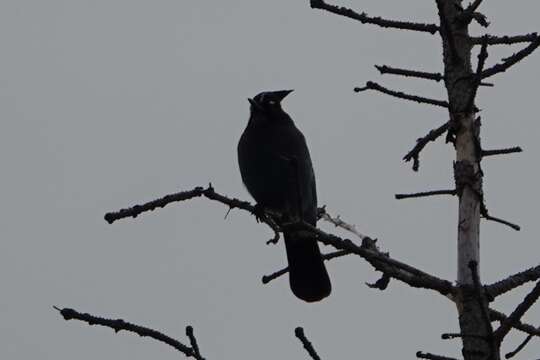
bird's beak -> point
(280, 95)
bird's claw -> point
(259, 212)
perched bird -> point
(276, 168)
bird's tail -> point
(308, 277)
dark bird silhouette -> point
(276, 168)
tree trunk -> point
(461, 88)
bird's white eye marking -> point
(272, 102)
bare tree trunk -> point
(461, 90)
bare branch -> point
(370, 85)
(338, 222)
(299, 332)
(477, 78)
(485, 214)
(470, 14)
(365, 19)
(518, 313)
(187, 195)
(384, 263)
(501, 221)
(422, 355)
(414, 154)
(384, 69)
(512, 282)
(380, 261)
(511, 150)
(512, 60)
(495, 315)
(520, 347)
(193, 342)
(425, 194)
(506, 39)
(267, 278)
(451, 336)
(119, 324)
(473, 6)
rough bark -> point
(461, 89)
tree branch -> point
(421, 143)
(199, 191)
(506, 39)
(511, 150)
(512, 60)
(365, 19)
(299, 332)
(428, 356)
(193, 342)
(384, 263)
(425, 194)
(370, 85)
(513, 281)
(380, 261)
(495, 315)
(520, 347)
(267, 278)
(119, 324)
(470, 13)
(518, 313)
(384, 69)
(338, 222)
(485, 214)
(477, 77)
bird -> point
(275, 166)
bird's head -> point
(268, 102)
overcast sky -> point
(106, 104)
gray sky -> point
(105, 104)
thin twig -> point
(119, 324)
(423, 355)
(193, 342)
(414, 154)
(518, 313)
(425, 194)
(485, 214)
(365, 19)
(512, 60)
(511, 150)
(505, 40)
(370, 85)
(501, 221)
(520, 347)
(299, 332)
(267, 278)
(451, 336)
(338, 222)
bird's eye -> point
(272, 102)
